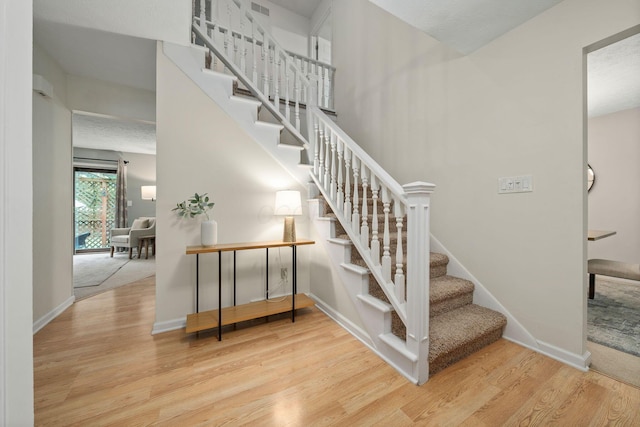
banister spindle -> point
(347, 185)
(399, 279)
(340, 148)
(254, 76)
(375, 242)
(203, 14)
(272, 76)
(321, 150)
(276, 81)
(287, 107)
(327, 159)
(265, 66)
(236, 58)
(334, 183)
(386, 254)
(316, 146)
(297, 95)
(364, 228)
(355, 217)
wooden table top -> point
(227, 247)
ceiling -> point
(612, 71)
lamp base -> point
(289, 234)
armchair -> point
(128, 237)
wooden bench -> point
(605, 267)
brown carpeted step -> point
(448, 293)
(454, 335)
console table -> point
(199, 321)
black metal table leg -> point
(267, 281)
(294, 284)
(220, 296)
(197, 283)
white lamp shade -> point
(288, 203)
(148, 192)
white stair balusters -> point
(375, 242)
(340, 196)
(399, 278)
(347, 186)
(355, 216)
(364, 228)
(386, 241)
(315, 141)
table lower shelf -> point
(240, 313)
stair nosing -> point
(355, 268)
(375, 303)
(219, 74)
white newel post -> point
(418, 197)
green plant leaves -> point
(197, 205)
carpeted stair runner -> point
(457, 327)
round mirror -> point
(591, 177)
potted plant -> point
(199, 204)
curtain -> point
(121, 195)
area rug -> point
(613, 316)
(93, 269)
(131, 271)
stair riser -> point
(458, 354)
(450, 304)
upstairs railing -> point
(252, 49)
(345, 174)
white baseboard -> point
(347, 324)
(44, 320)
(580, 362)
(168, 325)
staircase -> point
(375, 230)
(457, 327)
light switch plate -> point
(515, 184)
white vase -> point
(209, 233)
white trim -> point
(360, 335)
(3, 225)
(574, 360)
(168, 325)
(44, 320)
(347, 324)
(514, 331)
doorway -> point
(94, 208)
(611, 145)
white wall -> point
(513, 107)
(98, 96)
(201, 149)
(614, 199)
(289, 29)
(168, 20)
(141, 170)
(16, 342)
(52, 193)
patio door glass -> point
(95, 208)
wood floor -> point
(97, 364)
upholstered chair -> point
(128, 237)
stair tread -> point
(447, 287)
(461, 327)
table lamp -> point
(288, 203)
(148, 192)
